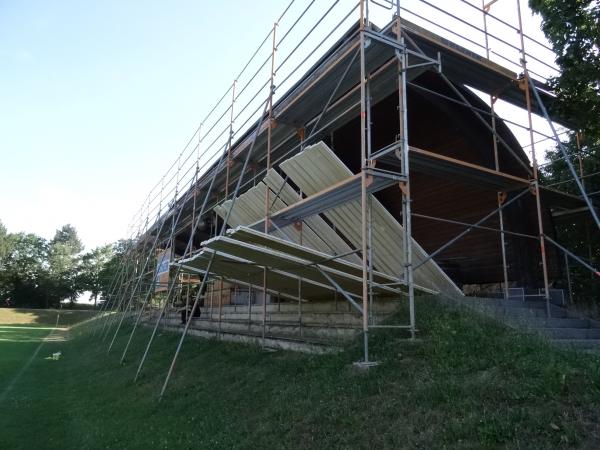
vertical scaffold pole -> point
(363, 186)
(500, 196)
(534, 164)
(189, 248)
(581, 174)
(267, 190)
(210, 262)
(369, 199)
(405, 187)
(229, 160)
(152, 288)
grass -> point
(43, 317)
(466, 383)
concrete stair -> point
(562, 327)
(329, 332)
(319, 327)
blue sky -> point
(97, 98)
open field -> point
(467, 383)
(41, 317)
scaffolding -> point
(275, 111)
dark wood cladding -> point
(449, 129)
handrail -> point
(215, 127)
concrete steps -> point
(294, 330)
(324, 319)
(320, 325)
(380, 306)
(592, 345)
(299, 345)
(543, 322)
(570, 333)
(561, 328)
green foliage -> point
(467, 382)
(63, 261)
(573, 29)
(35, 272)
(23, 270)
(94, 273)
(4, 242)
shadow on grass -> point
(43, 317)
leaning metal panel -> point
(317, 168)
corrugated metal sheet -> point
(334, 244)
(349, 279)
(317, 168)
(245, 272)
(248, 235)
(249, 208)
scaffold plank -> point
(249, 208)
(307, 268)
(250, 236)
(431, 163)
(316, 168)
(245, 272)
(334, 244)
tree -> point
(4, 243)
(38, 273)
(63, 260)
(23, 272)
(573, 29)
(92, 270)
(112, 268)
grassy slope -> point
(23, 330)
(469, 383)
(42, 317)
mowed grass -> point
(467, 382)
(23, 332)
(43, 317)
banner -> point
(162, 270)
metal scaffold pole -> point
(211, 261)
(363, 188)
(405, 186)
(189, 248)
(536, 185)
(501, 195)
(152, 286)
(139, 280)
(230, 140)
(267, 201)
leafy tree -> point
(573, 29)
(23, 272)
(63, 261)
(92, 274)
(112, 267)
(35, 272)
(4, 243)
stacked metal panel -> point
(316, 168)
(242, 256)
(246, 272)
(309, 265)
(249, 208)
(313, 170)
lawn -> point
(43, 317)
(467, 382)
